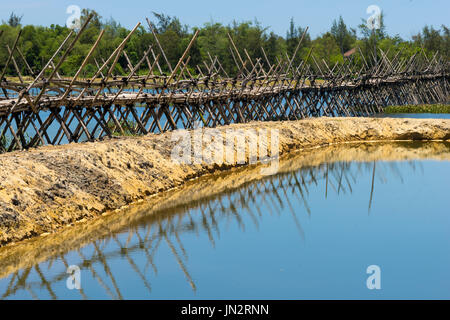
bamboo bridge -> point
(51, 109)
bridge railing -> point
(41, 108)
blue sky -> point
(403, 17)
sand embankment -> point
(45, 189)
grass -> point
(126, 125)
(421, 108)
(3, 143)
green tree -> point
(344, 37)
(95, 21)
(39, 43)
(293, 37)
(433, 40)
(370, 39)
(14, 20)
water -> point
(309, 232)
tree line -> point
(38, 43)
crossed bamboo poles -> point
(274, 193)
(106, 104)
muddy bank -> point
(45, 189)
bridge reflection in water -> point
(116, 256)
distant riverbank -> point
(421, 108)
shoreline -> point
(45, 189)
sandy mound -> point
(44, 189)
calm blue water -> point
(306, 234)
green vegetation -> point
(6, 140)
(422, 108)
(3, 143)
(38, 43)
(127, 126)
